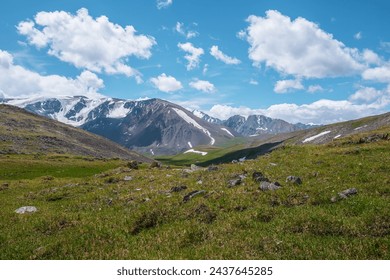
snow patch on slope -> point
(198, 114)
(227, 131)
(196, 152)
(190, 120)
(316, 136)
(360, 127)
(119, 111)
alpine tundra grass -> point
(114, 212)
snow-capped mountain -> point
(206, 117)
(255, 125)
(150, 126)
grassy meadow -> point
(96, 209)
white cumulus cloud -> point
(284, 86)
(163, 4)
(204, 86)
(93, 44)
(366, 94)
(378, 74)
(371, 57)
(166, 83)
(298, 47)
(19, 82)
(193, 56)
(319, 112)
(219, 55)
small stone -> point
(195, 167)
(26, 209)
(234, 161)
(259, 177)
(132, 164)
(200, 182)
(192, 194)
(178, 189)
(212, 168)
(155, 164)
(267, 186)
(344, 194)
(347, 193)
(294, 180)
(234, 182)
(128, 178)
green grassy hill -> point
(253, 147)
(22, 132)
(125, 213)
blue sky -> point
(302, 61)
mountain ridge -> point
(254, 125)
(24, 132)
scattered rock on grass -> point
(178, 189)
(128, 178)
(212, 168)
(259, 177)
(294, 180)
(344, 194)
(192, 194)
(132, 164)
(155, 164)
(26, 209)
(195, 167)
(234, 182)
(267, 186)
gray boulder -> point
(345, 194)
(259, 177)
(192, 194)
(234, 182)
(212, 168)
(294, 180)
(267, 186)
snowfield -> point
(309, 139)
(195, 152)
(227, 131)
(119, 111)
(190, 120)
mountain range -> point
(151, 126)
(254, 125)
